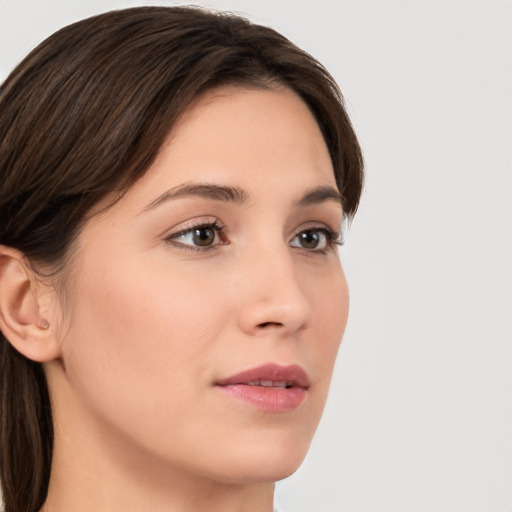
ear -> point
(24, 307)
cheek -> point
(330, 303)
(136, 336)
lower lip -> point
(271, 399)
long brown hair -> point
(83, 116)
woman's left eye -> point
(315, 239)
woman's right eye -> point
(199, 238)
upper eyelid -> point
(220, 226)
(318, 225)
(185, 226)
(217, 225)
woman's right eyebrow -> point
(205, 190)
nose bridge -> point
(274, 298)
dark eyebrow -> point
(206, 190)
(237, 195)
(319, 195)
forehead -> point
(241, 134)
(264, 141)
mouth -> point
(271, 384)
(271, 387)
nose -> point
(272, 299)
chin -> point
(267, 473)
(266, 462)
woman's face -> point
(215, 277)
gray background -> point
(420, 413)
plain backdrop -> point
(420, 414)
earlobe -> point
(21, 319)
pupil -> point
(309, 239)
(204, 236)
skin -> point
(149, 324)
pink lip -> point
(269, 387)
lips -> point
(270, 387)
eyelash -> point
(332, 238)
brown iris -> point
(203, 236)
(309, 239)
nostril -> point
(264, 325)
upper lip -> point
(292, 375)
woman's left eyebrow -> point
(237, 195)
(320, 195)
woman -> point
(171, 299)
